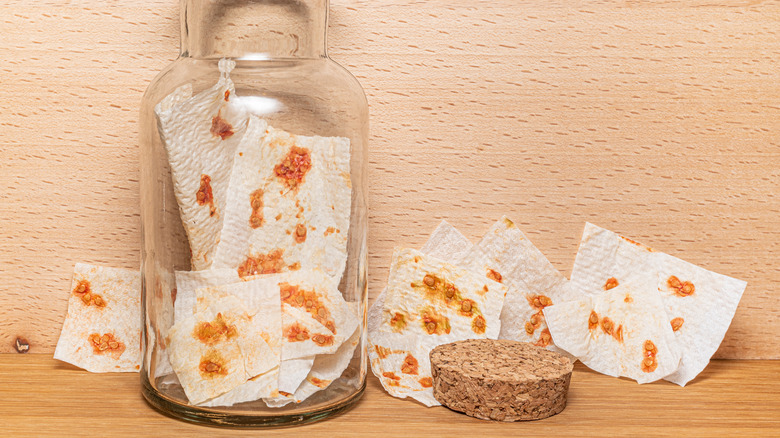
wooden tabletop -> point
(46, 398)
(656, 119)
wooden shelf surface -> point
(42, 397)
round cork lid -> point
(500, 379)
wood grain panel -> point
(658, 121)
(42, 397)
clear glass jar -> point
(282, 77)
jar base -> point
(183, 412)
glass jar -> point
(252, 140)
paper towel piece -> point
(622, 332)
(201, 134)
(402, 364)
(206, 351)
(447, 243)
(303, 336)
(288, 206)
(605, 260)
(102, 330)
(325, 370)
(187, 282)
(410, 376)
(427, 296)
(263, 305)
(700, 304)
(261, 352)
(264, 385)
(532, 281)
(416, 386)
(316, 321)
(294, 372)
(314, 295)
(315, 317)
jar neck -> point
(254, 29)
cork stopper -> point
(500, 379)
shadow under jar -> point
(254, 220)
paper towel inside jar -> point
(201, 134)
(324, 371)
(224, 344)
(288, 205)
(315, 318)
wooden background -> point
(658, 120)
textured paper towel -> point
(288, 206)
(622, 332)
(428, 296)
(218, 349)
(326, 369)
(400, 361)
(532, 281)
(102, 330)
(700, 304)
(201, 134)
(264, 307)
(187, 282)
(321, 304)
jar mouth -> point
(259, 57)
(253, 28)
